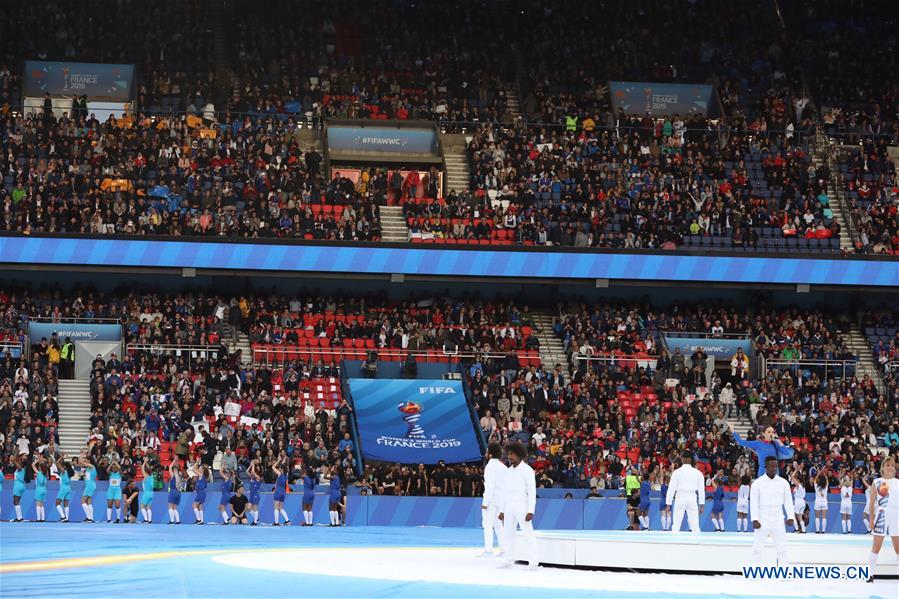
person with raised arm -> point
(766, 445)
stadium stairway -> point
(512, 101)
(552, 351)
(216, 10)
(393, 225)
(74, 415)
(456, 158)
(859, 345)
(243, 344)
(742, 424)
(822, 154)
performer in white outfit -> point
(519, 503)
(821, 504)
(846, 504)
(799, 503)
(743, 504)
(491, 504)
(686, 493)
(866, 514)
(884, 509)
(770, 501)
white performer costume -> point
(866, 514)
(886, 507)
(799, 505)
(519, 500)
(743, 508)
(886, 512)
(491, 504)
(687, 487)
(821, 499)
(846, 500)
(771, 502)
(821, 505)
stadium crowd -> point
(585, 177)
(646, 184)
(617, 404)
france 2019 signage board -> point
(414, 421)
(94, 80)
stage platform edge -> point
(702, 553)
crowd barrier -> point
(608, 513)
(551, 514)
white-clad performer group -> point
(510, 499)
(770, 504)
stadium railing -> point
(190, 353)
(824, 368)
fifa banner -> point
(414, 421)
(77, 332)
(723, 349)
(660, 99)
(94, 80)
(384, 140)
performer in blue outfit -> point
(227, 485)
(65, 488)
(335, 497)
(18, 486)
(89, 472)
(114, 493)
(645, 491)
(200, 493)
(146, 495)
(308, 496)
(254, 495)
(41, 476)
(718, 503)
(664, 508)
(767, 444)
(280, 469)
(174, 498)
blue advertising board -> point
(660, 99)
(77, 332)
(373, 259)
(373, 510)
(412, 421)
(94, 80)
(716, 348)
(342, 138)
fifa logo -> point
(412, 413)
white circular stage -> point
(706, 553)
(465, 567)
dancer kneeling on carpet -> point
(239, 503)
(770, 501)
(519, 502)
